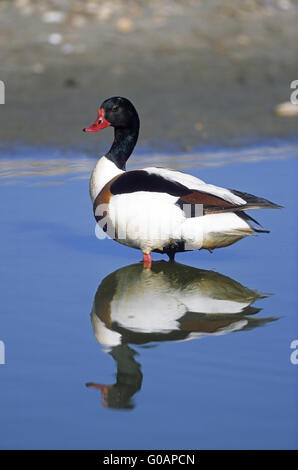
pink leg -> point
(147, 261)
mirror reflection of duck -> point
(170, 302)
(158, 209)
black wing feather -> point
(141, 180)
(255, 202)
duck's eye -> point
(115, 107)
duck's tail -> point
(255, 202)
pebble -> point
(242, 40)
(67, 48)
(91, 7)
(104, 12)
(38, 68)
(284, 4)
(124, 25)
(78, 21)
(198, 127)
(286, 109)
(55, 38)
(53, 17)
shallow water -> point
(199, 356)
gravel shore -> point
(198, 72)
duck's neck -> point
(125, 140)
(113, 163)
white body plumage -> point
(150, 220)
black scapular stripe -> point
(139, 180)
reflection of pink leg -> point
(147, 261)
(103, 389)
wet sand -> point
(198, 73)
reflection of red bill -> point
(103, 388)
(99, 124)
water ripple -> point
(58, 170)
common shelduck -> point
(169, 302)
(158, 209)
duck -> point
(157, 209)
(171, 302)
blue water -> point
(231, 390)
